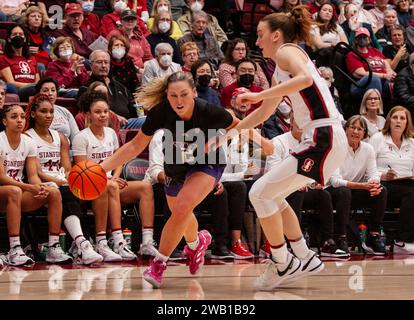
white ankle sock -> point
(79, 240)
(161, 257)
(299, 247)
(193, 245)
(14, 241)
(280, 255)
(100, 236)
(147, 235)
(53, 239)
(118, 237)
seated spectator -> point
(371, 109)
(112, 21)
(161, 33)
(326, 34)
(360, 15)
(160, 6)
(80, 36)
(95, 143)
(82, 120)
(63, 120)
(390, 20)
(140, 7)
(53, 157)
(394, 151)
(202, 73)
(404, 85)
(378, 12)
(38, 41)
(3, 88)
(122, 67)
(190, 54)
(245, 71)
(279, 122)
(120, 98)
(237, 49)
(313, 196)
(140, 50)
(33, 195)
(91, 21)
(186, 22)
(351, 24)
(403, 12)
(288, 5)
(162, 65)
(209, 47)
(356, 184)
(17, 68)
(327, 74)
(12, 10)
(382, 74)
(68, 68)
(397, 53)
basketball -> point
(87, 180)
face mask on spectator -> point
(204, 80)
(118, 53)
(358, 3)
(18, 42)
(284, 108)
(66, 54)
(162, 8)
(164, 26)
(165, 60)
(363, 42)
(328, 82)
(87, 7)
(246, 80)
(196, 6)
(120, 6)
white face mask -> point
(162, 8)
(164, 26)
(120, 6)
(196, 6)
(358, 3)
(66, 54)
(284, 109)
(328, 83)
(165, 60)
(118, 53)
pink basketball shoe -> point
(195, 258)
(153, 274)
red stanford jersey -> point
(23, 70)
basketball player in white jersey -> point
(97, 143)
(321, 151)
(53, 154)
(18, 153)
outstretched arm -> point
(127, 152)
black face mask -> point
(246, 80)
(18, 42)
(363, 42)
(204, 80)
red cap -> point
(362, 30)
(72, 8)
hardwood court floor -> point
(386, 278)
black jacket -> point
(404, 88)
(120, 99)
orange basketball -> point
(87, 180)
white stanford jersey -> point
(312, 103)
(14, 160)
(86, 144)
(48, 153)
